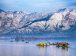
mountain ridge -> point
(64, 20)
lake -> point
(8, 48)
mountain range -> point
(62, 21)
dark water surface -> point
(30, 49)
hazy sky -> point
(36, 5)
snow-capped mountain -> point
(63, 20)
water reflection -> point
(63, 48)
(23, 49)
(53, 51)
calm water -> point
(24, 49)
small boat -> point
(63, 45)
(27, 42)
(42, 44)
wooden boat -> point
(63, 45)
(42, 44)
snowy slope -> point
(20, 22)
